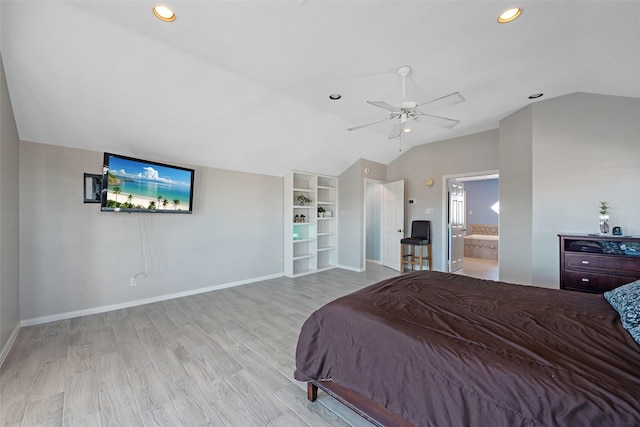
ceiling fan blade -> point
(442, 122)
(385, 105)
(451, 99)
(397, 130)
(367, 124)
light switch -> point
(428, 211)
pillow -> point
(635, 333)
(626, 301)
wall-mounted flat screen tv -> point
(134, 185)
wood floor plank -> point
(168, 365)
(80, 396)
(50, 379)
(119, 407)
(15, 395)
(134, 354)
(111, 371)
(147, 387)
(80, 358)
(164, 415)
(193, 408)
(104, 341)
(124, 330)
(45, 412)
(152, 339)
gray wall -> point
(516, 199)
(558, 159)
(473, 153)
(586, 149)
(74, 257)
(9, 218)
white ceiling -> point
(244, 85)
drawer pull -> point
(584, 279)
(585, 262)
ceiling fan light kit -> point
(408, 110)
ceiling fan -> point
(408, 110)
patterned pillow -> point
(611, 248)
(635, 333)
(626, 301)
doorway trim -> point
(445, 211)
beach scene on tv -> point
(144, 186)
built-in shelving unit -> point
(311, 237)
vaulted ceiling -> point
(245, 85)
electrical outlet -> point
(133, 281)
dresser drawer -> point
(619, 264)
(593, 282)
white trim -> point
(357, 270)
(9, 344)
(96, 310)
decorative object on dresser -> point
(604, 218)
(594, 263)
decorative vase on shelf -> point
(604, 218)
(604, 225)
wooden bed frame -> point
(371, 411)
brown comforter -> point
(448, 350)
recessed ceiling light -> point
(406, 130)
(164, 13)
(509, 15)
(335, 96)
(535, 95)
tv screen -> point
(134, 185)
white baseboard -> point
(9, 344)
(357, 270)
(102, 309)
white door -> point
(456, 226)
(392, 223)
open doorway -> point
(472, 248)
(372, 221)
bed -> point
(482, 242)
(438, 349)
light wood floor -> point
(223, 358)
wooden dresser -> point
(587, 271)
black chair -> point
(420, 237)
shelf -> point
(303, 240)
(304, 248)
